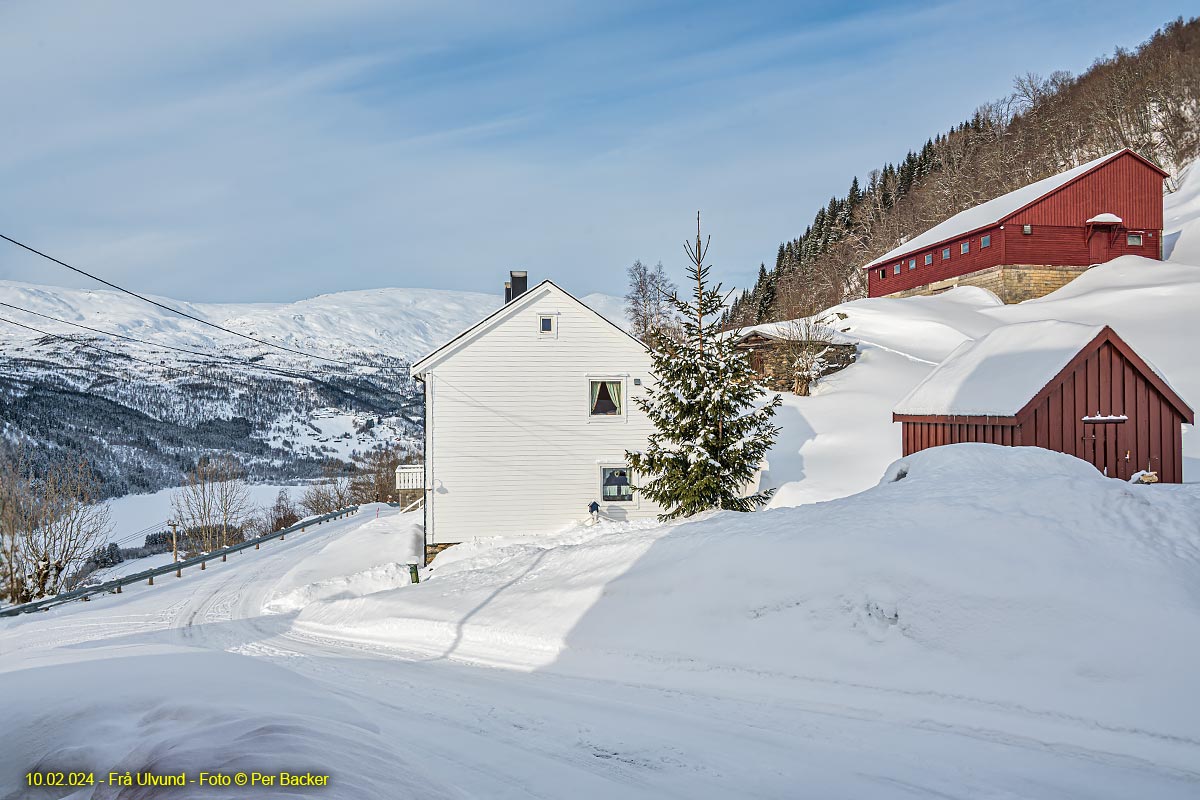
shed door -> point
(1098, 245)
(1108, 447)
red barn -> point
(1031, 241)
(1077, 389)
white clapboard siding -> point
(510, 444)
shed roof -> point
(996, 211)
(999, 374)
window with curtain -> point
(606, 398)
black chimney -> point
(519, 281)
(507, 292)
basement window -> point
(928, 259)
(912, 263)
(605, 398)
(615, 486)
(964, 248)
(985, 241)
(946, 254)
(1133, 239)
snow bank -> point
(370, 558)
(167, 710)
(1013, 577)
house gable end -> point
(543, 290)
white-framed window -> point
(912, 263)
(547, 326)
(615, 484)
(965, 247)
(928, 259)
(607, 398)
(1133, 239)
(896, 270)
(882, 274)
(985, 241)
(946, 254)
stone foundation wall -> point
(431, 550)
(1012, 283)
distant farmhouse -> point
(528, 416)
(1078, 389)
(1036, 239)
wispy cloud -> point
(274, 150)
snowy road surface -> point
(386, 723)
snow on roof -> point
(990, 212)
(1001, 372)
(796, 329)
(1105, 218)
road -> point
(491, 733)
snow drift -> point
(1014, 577)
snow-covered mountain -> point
(142, 412)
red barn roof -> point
(996, 211)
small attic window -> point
(1133, 239)
(1027, 230)
(548, 325)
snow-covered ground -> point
(147, 512)
(986, 622)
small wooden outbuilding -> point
(1077, 389)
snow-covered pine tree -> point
(711, 431)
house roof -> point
(783, 331)
(1002, 373)
(425, 363)
(993, 212)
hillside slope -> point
(839, 440)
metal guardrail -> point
(116, 584)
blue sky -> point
(274, 150)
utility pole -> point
(175, 549)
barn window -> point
(547, 326)
(985, 241)
(928, 259)
(946, 254)
(606, 398)
(615, 486)
(1133, 239)
(882, 274)
(896, 269)
(1027, 230)
(912, 263)
(965, 247)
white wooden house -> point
(528, 415)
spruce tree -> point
(710, 433)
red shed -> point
(1077, 389)
(1031, 241)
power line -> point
(192, 317)
(228, 359)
